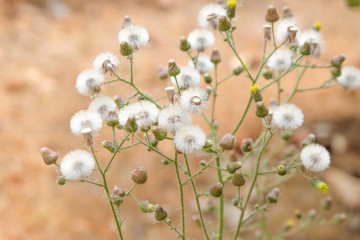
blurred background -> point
(45, 44)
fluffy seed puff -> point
(136, 36)
(194, 100)
(85, 119)
(288, 117)
(89, 82)
(280, 60)
(102, 105)
(203, 65)
(173, 117)
(282, 29)
(77, 164)
(350, 77)
(313, 37)
(210, 14)
(189, 138)
(106, 62)
(144, 112)
(315, 157)
(188, 77)
(201, 39)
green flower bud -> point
(261, 110)
(109, 145)
(238, 179)
(125, 49)
(310, 139)
(338, 60)
(131, 125)
(267, 74)
(165, 162)
(146, 207)
(112, 119)
(255, 92)
(305, 49)
(207, 78)
(120, 102)
(216, 189)
(184, 44)
(273, 196)
(49, 156)
(215, 57)
(173, 69)
(286, 136)
(228, 141)
(336, 72)
(298, 214)
(281, 170)
(246, 144)
(119, 192)
(159, 133)
(160, 213)
(203, 163)
(61, 181)
(224, 24)
(117, 200)
(231, 7)
(233, 166)
(208, 143)
(235, 202)
(139, 176)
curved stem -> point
(243, 116)
(181, 197)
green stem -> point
(118, 224)
(273, 34)
(214, 97)
(197, 198)
(181, 197)
(177, 85)
(173, 228)
(94, 183)
(243, 116)
(226, 78)
(131, 67)
(221, 201)
(296, 85)
(116, 151)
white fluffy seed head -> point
(282, 29)
(315, 157)
(77, 164)
(188, 77)
(144, 112)
(173, 117)
(102, 105)
(85, 119)
(314, 38)
(201, 39)
(106, 62)
(135, 35)
(350, 77)
(288, 117)
(89, 82)
(210, 14)
(203, 65)
(280, 60)
(194, 100)
(189, 138)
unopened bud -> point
(49, 156)
(87, 134)
(126, 21)
(336, 72)
(152, 140)
(288, 225)
(339, 218)
(255, 92)
(305, 49)
(184, 44)
(131, 125)
(231, 9)
(119, 192)
(228, 141)
(203, 163)
(224, 24)
(139, 176)
(309, 139)
(238, 178)
(207, 78)
(261, 110)
(238, 70)
(159, 132)
(61, 181)
(120, 102)
(215, 56)
(162, 73)
(165, 162)
(208, 91)
(117, 200)
(208, 143)
(246, 144)
(109, 145)
(281, 170)
(160, 213)
(267, 32)
(286, 136)
(233, 166)
(327, 203)
(298, 214)
(173, 69)
(112, 119)
(338, 60)
(125, 49)
(273, 196)
(216, 189)
(267, 74)
(146, 207)
(235, 202)
(271, 14)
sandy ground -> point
(46, 44)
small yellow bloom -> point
(317, 26)
(320, 185)
(290, 222)
(231, 3)
(254, 88)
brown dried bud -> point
(173, 69)
(160, 213)
(216, 189)
(215, 57)
(292, 34)
(228, 141)
(267, 32)
(238, 179)
(49, 156)
(271, 14)
(139, 176)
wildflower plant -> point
(143, 120)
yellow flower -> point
(317, 26)
(290, 222)
(320, 185)
(231, 3)
(254, 88)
